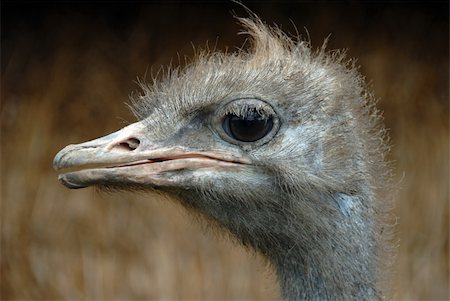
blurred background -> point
(66, 73)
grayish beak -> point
(128, 157)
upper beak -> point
(128, 157)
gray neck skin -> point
(322, 249)
(335, 259)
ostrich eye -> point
(248, 122)
(249, 128)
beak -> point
(128, 157)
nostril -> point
(129, 145)
(133, 143)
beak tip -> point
(65, 180)
(63, 158)
(56, 164)
(57, 161)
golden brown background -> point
(67, 70)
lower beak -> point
(126, 157)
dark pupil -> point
(247, 128)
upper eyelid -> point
(238, 109)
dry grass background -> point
(67, 70)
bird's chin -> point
(145, 173)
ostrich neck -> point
(328, 259)
(322, 247)
(318, 278)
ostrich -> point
(279, 145)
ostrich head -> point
(279, 145)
